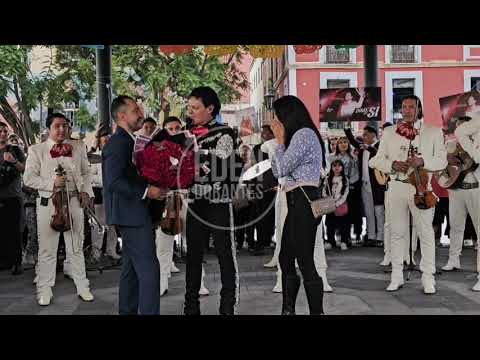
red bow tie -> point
(61, 150)
(199, 131)
(407, 131)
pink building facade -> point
(428, 71)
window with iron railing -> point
(336, 56)
(402, 54)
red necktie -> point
(199, 131)
(61, 150)
(407, 131)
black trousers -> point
(242, 217)
(298, 237)
(11, 238)
(205, 218)
(265, 211)
(354, 201)
(469, 232)
(340, 223)
(441, 211)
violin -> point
(423, 198)
(171, 222)
(60, 220)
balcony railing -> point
(337, 56)
(403, 54)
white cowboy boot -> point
(203, 290)
(44, 297)
(278, 286)
(174, 269)
(163, 284)
(86, 295)
(396, 281)
(386, 260)
(476, 287)
(272, 263)
(453, 263)
(428, 282)
(326, 287)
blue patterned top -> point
(301, 162)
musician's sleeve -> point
(115, 177)
(381, 160)
(463, 133)
(32, 177)
(85, 173)
(437, 160)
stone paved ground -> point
(358, 282)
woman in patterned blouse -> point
(298, 158)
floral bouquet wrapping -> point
(167, 161)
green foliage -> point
(69, 75)
(85, 120)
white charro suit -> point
(40, 174)
(393, 147)
(465, 200)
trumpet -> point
(93, 220)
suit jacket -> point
(378, 191)
(468, 135)
(40, 168)
(393, 147)
(123, 188)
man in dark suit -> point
(373, 194)
(125, 194)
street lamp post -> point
(268, 99)
(371, 71)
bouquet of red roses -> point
(167, 161)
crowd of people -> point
(368, 178)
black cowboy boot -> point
(192, 304)
(290, 287)
(227, 306)
(314, 291)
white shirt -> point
(365, 167)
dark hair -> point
(150, 120)
(418, 101)
(117, 104)
(293, 114)
(386, 124)
(349, 150)
(371, 130)
(342, 174)
(51, 117)
(208, 97)
(171, 119)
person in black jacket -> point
(373, 194)
(210, 210)
(12, 164)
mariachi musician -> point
(210, 210)
(59, 170)
(405, 149)
(464, 194)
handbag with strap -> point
(322, 206)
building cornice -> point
(382, 65)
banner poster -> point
(351, 104)
(454, 107)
